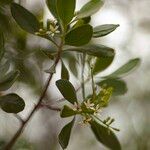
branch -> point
(22, 127)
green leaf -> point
(8, 80)
(5, 2)
(67, 90)
(103, 97)
(62, 10)
(12, 103)
(102, 64)
(90, 8)
(26, 20)
(1, 45)
(82, 21)
(67, 112)
(64, 71)
(94, 50)
(66, 10)
(103, 30)
(105, 136)
(119, 86)
(79, 36)
(65, 133)
(52, 5)
(126, 68)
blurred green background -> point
(131, 111)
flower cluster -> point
(93, 106)
(52, 29)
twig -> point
(22, 127)
(82, 76)
(52, 107)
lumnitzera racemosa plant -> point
(70, 32)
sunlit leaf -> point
(126, 68)
(79, 36)
(103, 97)
(103, 30)
(94, 50)
(119, 86)
(90, 8)
(105, 136)
(67, 112)
(65, 133)
(25, 19)
(7, 81)
(64, 72)
(12, 103)
(67, 90)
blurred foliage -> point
(29, 61)
(22, 144)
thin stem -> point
(93, 84)
(22, 127)
(52, 107)
(108, 126)
(82, 75)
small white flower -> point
(89, 105)
(77, 107)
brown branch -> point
(23, 125)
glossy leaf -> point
(12, 103)
(67, 112)
(66, 10)
(7, 81)
(126, 68)
(1, 45)
(90, 8)
(79, 36)
(64, 72)
(94, 50)
(65, 133)
(102, 64)
(26, 20)
(119, 86)
(105, 136)
(67, 90)
(103, 30)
